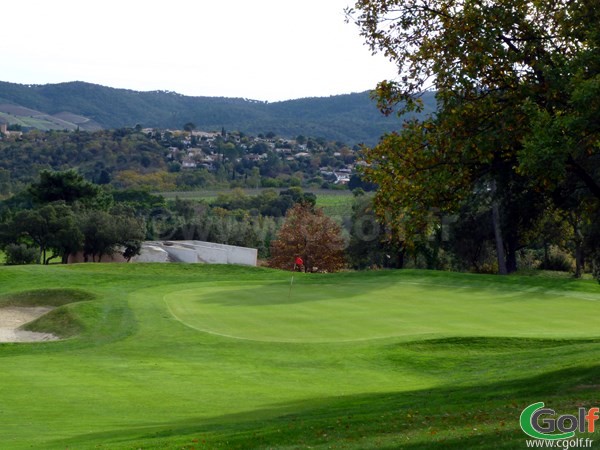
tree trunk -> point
(578, 238)
(578, 260)
(400, 258)
(574, 219)
(512, 244)
(499, 241)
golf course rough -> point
(190, 356)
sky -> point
(268, 50)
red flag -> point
(299, 261)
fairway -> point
(165, 356)
(349, 311)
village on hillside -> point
(335, 163)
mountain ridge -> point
(351, 118)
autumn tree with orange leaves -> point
(310, 234)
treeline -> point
(63, 214)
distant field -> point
(334, 203)
(39, 122)
(181, 356)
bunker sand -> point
(12, 318)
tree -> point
(51, 227)
(67, 238)
(369, 245)
(18, 254)
(189, 127)
(67, 186)
(510, 77)
(106, 233)
(5, 183)
(100, 236)
(307, 232)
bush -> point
(558, 260)
(19, 254)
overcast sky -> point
(259, 49)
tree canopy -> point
(517, 86)
(310, 234)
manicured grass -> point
(373, 309)
(382, 360)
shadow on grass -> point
(315, 287)
(305, 291)
(482, 416)
(45, 297)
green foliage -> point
(368, 247)
(18, 254)
(559, 260)
(67, 186)
(267, 203)
(70, 215)
(139, 200)
(516, 84)
(97, 156)
(104, 233)
(52, 227)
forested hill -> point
(351, 118)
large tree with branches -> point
(518, 90)
(311, 235)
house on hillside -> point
(341, 178)
(3, 126)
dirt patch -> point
(14, 317)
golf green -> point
(353, 311)
(166, 356)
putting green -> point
(347, 311)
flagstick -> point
(292, 282)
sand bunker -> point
(13, 317)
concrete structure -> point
(183, 251)
(196, 252)
(151, 253)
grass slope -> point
(404, 359)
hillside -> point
(30, 118)
(350, 118)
